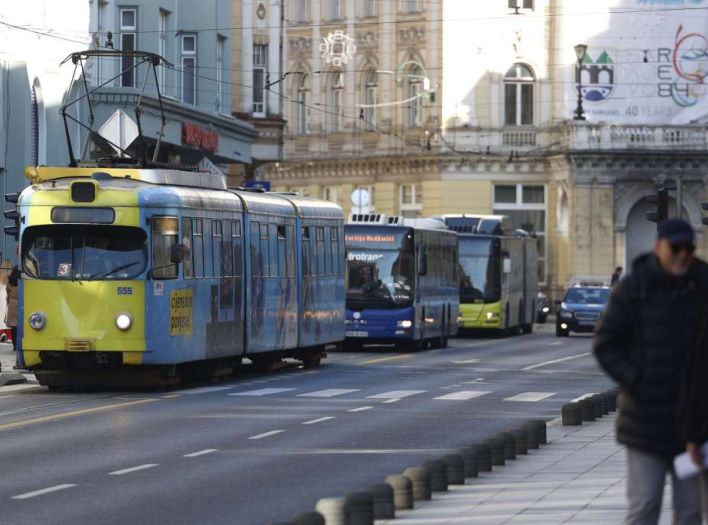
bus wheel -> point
(312, 360)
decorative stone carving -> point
(412, 34)
(367, 40)
(301, 46)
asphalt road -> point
(263, 447)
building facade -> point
(494, 131)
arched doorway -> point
(640, 233)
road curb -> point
(11, 378)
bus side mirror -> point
(422, 262)
(506, 265)
(177, 253)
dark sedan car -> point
(581, 309)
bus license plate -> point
(349, 333)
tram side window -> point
(255, 249)
(237, 241)
(290, 249)
(265, 251)
(198, 248)
(320, 250)
(208, 255)
(216, 239)
(306, 252)
(164, 236)
(187, 241)
(282, 259)
(227, 266)
(273, 249)
(334, 242)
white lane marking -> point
(555, 361)
(200, 453)
(555, 343)
(262, 392)
(464, 395)
(360, 409)
(584, 396)
(203, 390)
(396, 394)
(389, 401)
(466, 362)
(330, 392)
(319, 420)
(132, 469)
(41, 492)
(530, 397)
(267, 434)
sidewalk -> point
(577, 478)
(7, 360)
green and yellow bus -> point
(498, 273)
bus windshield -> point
(81, 252)
(380, 269)
(480, 275)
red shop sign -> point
(199, 136)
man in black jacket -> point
(643, 342)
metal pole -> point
(679, 198)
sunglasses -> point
(678, 248)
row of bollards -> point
(401, 491)
(589, 408)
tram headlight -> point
(407, 323)
(124, 321)
(37, 320)
(492, 316)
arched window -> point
(414, 94)
(371, 85)
(335, 105)
(518, 96)
(301, 110)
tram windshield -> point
(480, 275)
(81, 252)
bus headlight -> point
(37, 320)
(492, 315)
(124, 321)
(405, 323)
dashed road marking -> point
(554, 361)
(330, 392)
(267, 434)
(41, 492)
(383, 359)
(319, 420)
(200, 453)
(360, 409)
(396, 394)
(466, 362)
(530, 397)
(262, 392)
(584, 396)
(394, 400)
(133, 469)
(464, 395)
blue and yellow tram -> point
(142, 275)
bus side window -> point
(187, 241)
(216, 238)
(290, 249)
(306, 252)
(164, 236)
(237, 241)
(197, 248)
(255, 250)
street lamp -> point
(580, 50)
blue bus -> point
(401, 282)
(140, 276)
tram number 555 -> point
(125, 290)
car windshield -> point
(587, 295)
(379, 277)
(81, 252)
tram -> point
(134, 276)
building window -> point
(189, 68)
(410, 200)
(521, 4)
(335, 9)
(163, 24)
(525, 205)
(220, 45)
(370, 100)
(301, 108)
(414, 95)
(260, 72)
(300, 10)
(410, 6)
(368, 8)
(336, 101)
(518, 96)
(128, 31)
(331, 194)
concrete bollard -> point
(455, 465)
(382, 495)
(587, 409)
(607, 402)
(402, 491)
(509, 445)
(470, 461)
(570, 415)
(612, 395)
(497, 444)
(598, 405)
(309, 518)
(484, 456)
(520, 438)
(438, 474)
(420, 478)
(359, 507)
(531, 435)
(542, 429)
(334, 510)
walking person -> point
(11, 311)
(643, 342)
(615, 277)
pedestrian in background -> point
(615, 277)
(11, 312)
(643, 342)
(693, 409)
